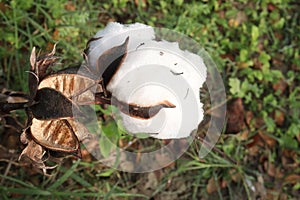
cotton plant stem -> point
(7, 107)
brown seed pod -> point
(51, 104)
(77, 87)
(57, 135)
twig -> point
(6, 170)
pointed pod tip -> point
(53, 50)
(32, 59)
(167, 104)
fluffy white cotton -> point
(154, 72)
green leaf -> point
(235, 87)
(78, 178)
(243, 55)
(106, 173)
(25, 191)
(28, 185)
(254, 33)
(105, 146)
(264, 58)
(288, 141)
(269, 122)
(294, 129)
(109, 138)
(178, 2)
(279, 24)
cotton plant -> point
(153, 83)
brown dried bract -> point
(109, 62)
(57, 135)
(142, 112)
(77, 87)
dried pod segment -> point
(57, 135)
(51, 104)
(33, 153)
(74, 86)
(61, 135)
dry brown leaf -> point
(239, 19)
(235, 113)
(243, 135)
(270, 168)
(255, 141)
(271, 142)
(235, 175)
(86, 156)
(289, 159)
(249, 117)
(253, 151)
(281, 86)
(278, 117)
(259, 122)
(70, 6)
(152, 181)
(211, 186)
(292, 178)
(271, 7)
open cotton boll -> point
(115, 34)
(153, 72)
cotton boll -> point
(160, 84)
(151, 73)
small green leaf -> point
(288, 142)
(269, 122)
(254, 33)
(105, 146)
(264, 58)
(294, 129)
(178, 2)
(109, 138)
(280, 23)
(243, 55)
(106, 173)
(235, 87)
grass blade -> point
(62, 179)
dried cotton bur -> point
(51, 130)
(55, 98)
